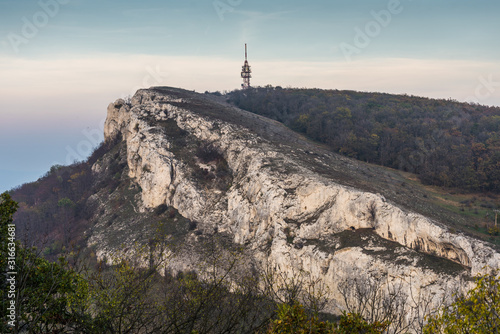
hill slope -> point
(180, 167)
(444, 142)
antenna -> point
(246, 72)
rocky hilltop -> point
(288, 201)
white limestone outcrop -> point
(277, 202)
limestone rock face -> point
(276, 204)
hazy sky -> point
(63, 61)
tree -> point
(7, 260)
(38, 296)
(50, 295)
(222, 296)
(383, 302)
(294, 319)
(476, 312)
(376, 300)
(219, 298)
(295, 287)
(353, 323)
(122, 299)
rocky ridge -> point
(276, 203)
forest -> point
(443, 142)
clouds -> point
(91, 52)
(77, 88)
(67, 77)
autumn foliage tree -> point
(476, 312)
(47, 294)
(294, 319)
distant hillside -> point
(444, 142)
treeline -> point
(444, 142)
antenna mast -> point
(246, 72)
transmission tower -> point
(246, 72)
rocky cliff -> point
(287, 201)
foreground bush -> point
(477, 312)
(294, 319)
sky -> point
(63, 61)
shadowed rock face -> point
(445, 250)
(282, 198)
